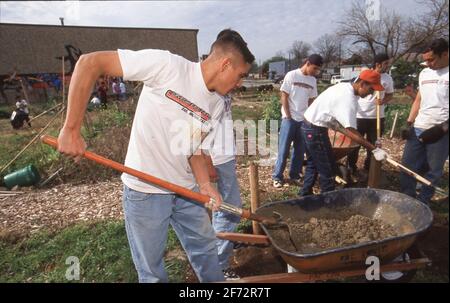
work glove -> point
(434, 134)
(406, 132)
(379, 154)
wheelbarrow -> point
(341, 144)
(408, 216)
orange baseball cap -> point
(372, 77)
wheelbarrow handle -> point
(182, 191)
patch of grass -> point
(40, 155)
(101, 248)
(246, 113)
(403, 113)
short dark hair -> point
(315, 59)
(437, 46)
(228, 38)
(380, 58)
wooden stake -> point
(25, 93)
(377, 97)
(375, 166)
(63, 91)
(374, 172)
(393, 125)
(254, 195)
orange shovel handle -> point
(198, 197)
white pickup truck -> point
(335, 79)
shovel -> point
(274, 222)
(403, 168)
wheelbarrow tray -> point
(408, 216)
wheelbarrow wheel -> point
(402, 276)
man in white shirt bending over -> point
(335, 107)
(180, 102)
(427, 143)
(298, 91)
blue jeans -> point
(290, 131)
(417, 156)
(147, 219)
(320, 159)
(228, 187)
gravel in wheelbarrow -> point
(320, 234)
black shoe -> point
(230, 274)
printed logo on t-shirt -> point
(188, 107)
(302, 84)
(429, 82)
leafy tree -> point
(404, 73)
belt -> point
(309, 124)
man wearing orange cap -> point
(335, 107)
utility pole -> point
(339, 61)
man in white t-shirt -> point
(367, 112)
(429, 114)
(298, 91)
(179, 106)
(335, 107)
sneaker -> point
(230, 275)
(277, 184)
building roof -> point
(30, 48)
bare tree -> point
(328, 47)
(392, 33)
(280, 54)
(299, 51)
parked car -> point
(335, 79)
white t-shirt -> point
(115, 87)
(367, 106)
(337, 103)
(175, 109)
(123, 89)
(223, 148)
(433, 87)
(300, 89)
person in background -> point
(298, 91)
(123, 90)
(426, 147)
(222, 170)
(20, 114)
(367, 110)
(334, 108)
(102, 93)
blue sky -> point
(268, 26)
